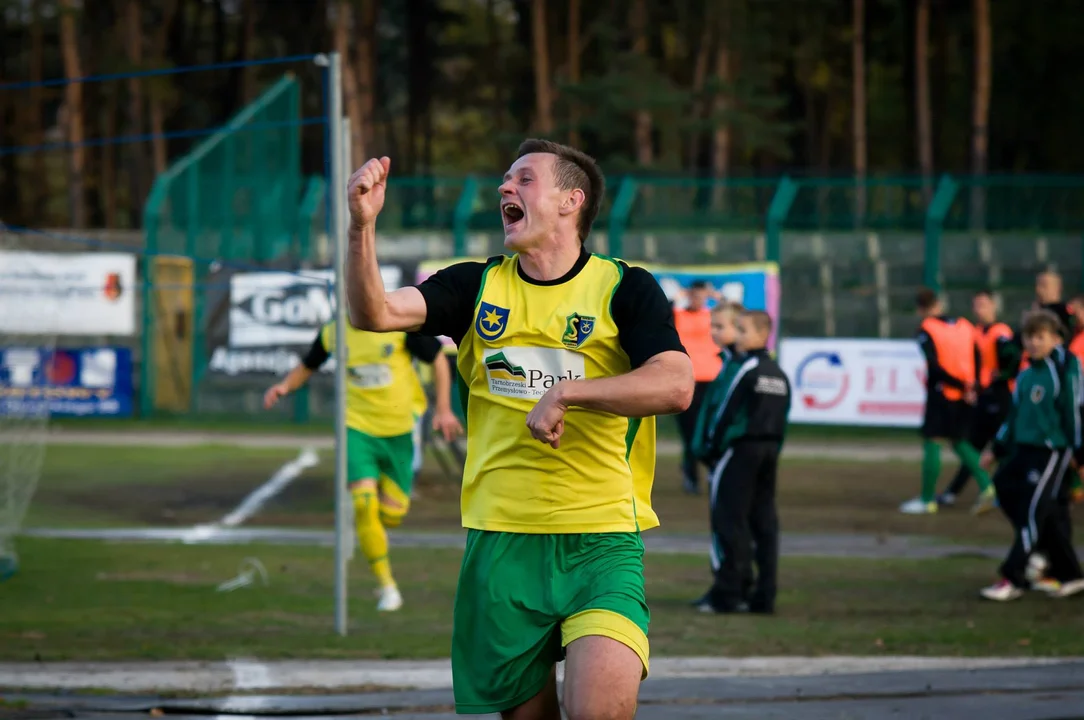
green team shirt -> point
(1045, 410)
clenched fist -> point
(365, 191)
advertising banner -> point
(754, 285)
(67, 293)
(271, 319)
(855, 382)
(72, 382)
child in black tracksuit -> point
(742, 438)
(1036, 443)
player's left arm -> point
(661, 379)
(429, 350)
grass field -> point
(99, 601)
(88, 486)
(666, 426)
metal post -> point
(339, 149)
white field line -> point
(258, 497)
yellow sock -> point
(372, 538)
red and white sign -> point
(855, 382)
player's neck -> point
(551, 262)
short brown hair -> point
(761, 320)
(1037, 321)
(925, 299)
(573, 170)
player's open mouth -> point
(512, 215)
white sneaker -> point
(1001, 591)
(390, 599)
(915, 506)
(1070, 588)
(1036, 569)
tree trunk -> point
(344, 31)
(73, 115)
(248, 47)
(157, 99)
(700, 75)
(493, 38)
(922, 96)
(543, 96)
(366, 78)
(720, 145)
(574, 71)
(980, 109)
(645, 151)
(108, 179)
(137, 165)
(858, 67)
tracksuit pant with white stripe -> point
(1027, 487)
(744, 526)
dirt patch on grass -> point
(186, 501)
(172, 578)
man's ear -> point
(573, 202)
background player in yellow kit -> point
(564, 359)
(383, 402)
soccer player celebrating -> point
(383, 401)
(951, 375)
(564, 359)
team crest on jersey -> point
(577, 329)
(1037, 393)
(491, 322)
(388, 349)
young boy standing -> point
(1037, 442)
(742, 440)
(951, 382)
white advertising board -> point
(67, 294)
(276, 309)
(855, 382)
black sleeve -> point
(449, 299)
(644, 317)
(317, 354)
(424, 347)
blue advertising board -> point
(754, 285)
(66, 382)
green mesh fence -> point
(235, 196)
(239, 198)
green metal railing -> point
(237, 196)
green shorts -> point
(373, 458)
(523, 598)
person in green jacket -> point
(1036, 444)
(724, 334)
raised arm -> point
(371, 308)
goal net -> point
(28, 307)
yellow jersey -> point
(384, 396)
(517, 338)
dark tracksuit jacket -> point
(743, 435)
(713, 397)
(1039, 437)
